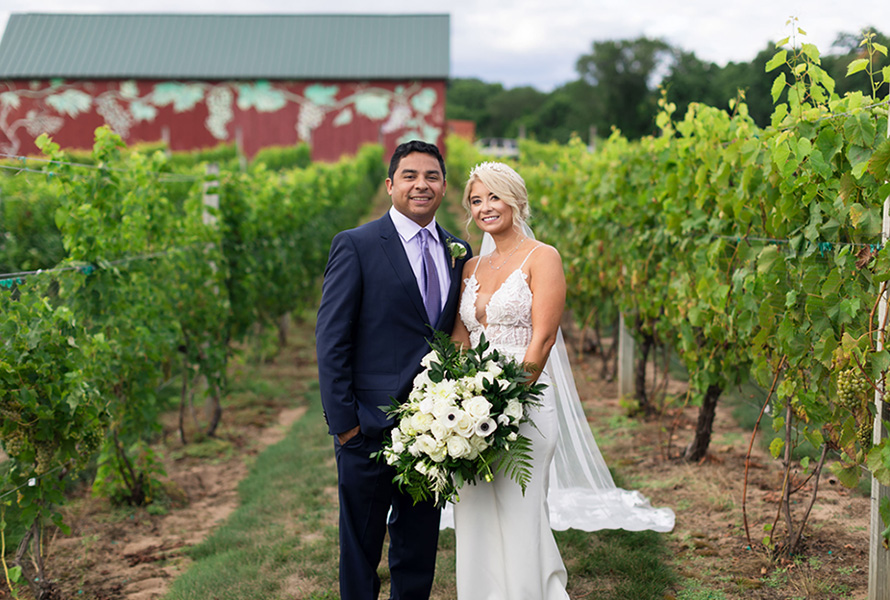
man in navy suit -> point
(386, 283)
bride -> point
(514, 293)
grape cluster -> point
(852, 388)
(90, 440)
(14, 443)
(46, 451)
(864, 434)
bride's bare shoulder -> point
(544, 254)
(470, 266)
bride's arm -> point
(459, 335)
(548, 285)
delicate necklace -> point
(512, 252)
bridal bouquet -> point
(461, 422)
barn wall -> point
(334, 117)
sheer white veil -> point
(582, 494)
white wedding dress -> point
(505, 544)
(505, 547)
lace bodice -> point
(508, 315)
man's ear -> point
(389, 186)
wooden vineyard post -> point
(211, 200)
(625, 360)
(878, 555)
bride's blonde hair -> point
(505, 183)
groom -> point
(385, 283)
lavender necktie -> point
(432, 296)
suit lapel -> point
(455, 267)
(395, 252)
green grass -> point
(616, 565)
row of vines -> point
(752, 253)
(161, 268)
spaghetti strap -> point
(529, 254)
(476, 268)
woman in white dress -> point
(514, 293)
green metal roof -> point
(178, 46)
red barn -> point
(333, 81)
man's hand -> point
(348, 435)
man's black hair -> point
(414, 146)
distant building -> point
(462, 128)
(334, 81)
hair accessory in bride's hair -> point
(495, 167)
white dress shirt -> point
(409, 233)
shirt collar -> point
(407, 228)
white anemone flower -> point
(486, 427)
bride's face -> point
(491, 214)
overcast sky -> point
(536, 42)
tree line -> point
(620, 82)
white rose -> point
(512, 436)
(426, 444)
(478, 407)
(406, 426)
(464, 425)
(442, 406)
(480, 444)
(479, 381)
(493, 369)
(439, 430)
(439, 453)
(485, 427)
(514, 410)
(458, 447)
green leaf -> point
(879, 163)
(778, 86)
(859, 130)
(860, 64)
(848, 476)
(776, 61)
(880, 362)
(811, 51)
(776, 447)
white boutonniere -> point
(456, 250)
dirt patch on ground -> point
(710, 541)
(130, 553)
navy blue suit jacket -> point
(372, 327)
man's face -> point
(417, 187)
